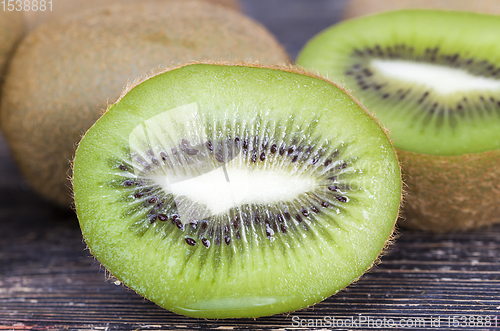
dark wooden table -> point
(48, 280)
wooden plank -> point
(48, 280)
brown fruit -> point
(65, 73)
(12, 29)
(61, 8)
(450, 193)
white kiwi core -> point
(443, 80)
(231, 186)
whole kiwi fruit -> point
(64, 73)
(12, 28)
(433, 79)
(60, 8)
(355, 8)
(227, 191)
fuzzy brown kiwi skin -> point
(451, 193)
(60, 8)
(12, 29)
(50, 100)
(292, 69)
(356, 8)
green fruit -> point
(65, 73)
(225, 191)
(431, 78)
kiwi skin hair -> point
(64, 73)
(355, 8)
(450, 193)
(12, 28)
(171, 267)
(61, 8)
(447, 190)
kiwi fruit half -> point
(355, 8)
(64, 73)
(224, 191)
(433, 79)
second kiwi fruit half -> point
(65, 72)
(224, 191)
(433, 79)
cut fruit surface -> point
(431, 77)
(223, 191)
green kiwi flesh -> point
(453, 109)
(66, 72)
(225, 191)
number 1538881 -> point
(26, 5)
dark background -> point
(48, 280)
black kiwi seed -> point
(209, 146)
(334, 188)
(274, 148)
(163, 217)
(123, 167)
(219, 153)
(163, 156)
(204, 225)
(283, 228)
(128, 183)
(190, 241)
(262, 156)
(205, 242)
(179, 224)
(305, 212)
(282, 149)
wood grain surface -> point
(48, 280)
